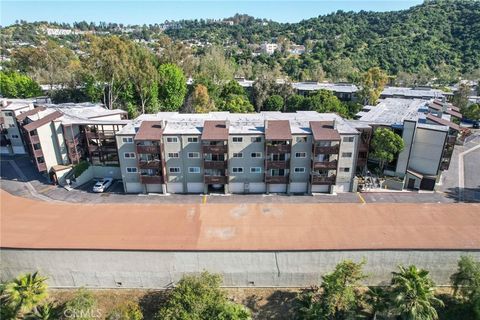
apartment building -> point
(11, 139)
(220, 152)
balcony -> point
(152, 164)
(283, 164)
(34, 139)
(151, 179)
(38, 153)
(148, 149)
(215, 149)
(41, 167)
(219, 165)
(451, 139)
(326, 150)
(216, 179)
(276, 179)
(100, 135)
(281, 148)
(361, 162)
(323, 180)
(331, 165)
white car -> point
(102, 185)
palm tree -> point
(25, 292)
(413, 296)
(47, 311)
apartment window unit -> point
(127, 140)
(299, 170)
(15, 136)
(255, 170)
(301, 139)
(173, 154)
(41, 160)
(237, 139)
(346, 154)
(348, 139)
(300, 155)
(37, 146)
(172, 139)
(256, 139)
(11, 125)
(237, 155)
(194, 170)
(129, 155)
(174, 170)
(237, 170)
(344, 169)
(10, 114)
(131, 170)
(256, 155)
(192, 139)
(194, 155)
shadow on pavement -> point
(464, 194)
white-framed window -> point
(300, 155)
(237, 170)
(301, 139)
(194, 155)
(192, 139)
(174, 170)
(194, 170)
(299, 170)
(256, 155)
(348, 139)
(173, 154)
(346, 154)
(129, 155)
(344, 169)
(256, 139)
(237, 139)
(237, 155)
(15, 136)
(255, 170)
(131, 170)
(127, 139)
(172, 139)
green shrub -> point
(80, 168)
(82, 306)
(127, 311)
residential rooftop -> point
(417, 92)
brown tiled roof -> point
(278, 130)
(454, 108)
(443, 122)
(324, 130)
(149, 130)
(215, 130)
(33, 111)
(435, 106)
(48, 118)
(454, 113)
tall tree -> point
(144, 77)
(24, 293)
(16, 85)
(372, 84)
(460, 97)
(201, 100)
(172, 87)
(466, 283)
(215, 66)
(386, 144)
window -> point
(127, 140)
(256, 155)
(237, 139)
(300, 155)
(194, 170)
(192, 139)
(9, 114)
(256, 139)
(238, 155)
(174, 170)
(172, 139)
(255, 170)
(237, 170)
(347, 139)
(301, 139)
(129, 155)
(344, 169)
(15, 136)
(173, 154)
(11, 125)
(194, 155)
(299, 170)
(131, 170)
(346, 154)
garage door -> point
(277, 188)
(175, 187)
(195, 187)
(342, 187)
(320, 189)
(154, 188)
(427, 184)
(133, 187)
(255, 187)
(298, 187)
(236, 187)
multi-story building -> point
(11, 139)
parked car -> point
(102, 185)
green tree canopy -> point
(472, 112)
(201, 100)
(386, 144)
(325, 101)
(237, 104)
(466, 282)
(16, 85)
(273, 103)
(371, 85)
(172, 87)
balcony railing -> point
(99, 134)
(152, 164)
(322, 180)
(214, 149)
(38, 153)
(283, 164)
(34, 139)
(361, 162)
(281, 148)
(151, 179)
(276, 179)
(325, 164)
(41, 167)
(215, 179)
(219, 165)
(148, 149)
(363, 147)
(326, 150)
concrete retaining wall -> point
(97, 172)
(153, 269)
